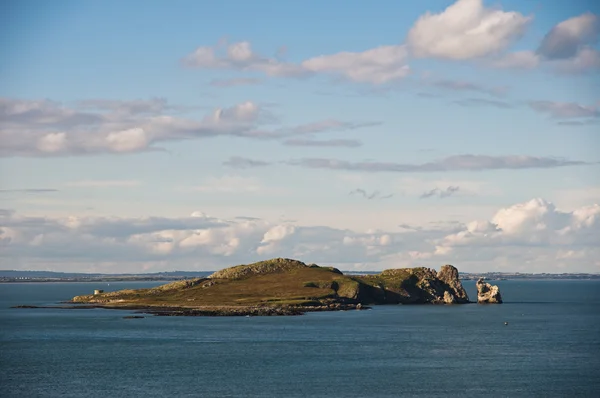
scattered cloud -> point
(587, 122)
(533, 223)
(29, 190)
(475, 102)
(152, 106)
(239, 162)
(586, 60)
(440, 193)
(240, 56)
(370, 196)
(533, 235)
(327, 125)
(246, 218)
(45, 128)
(323, 143)
(416, 186)
(565, 110)
(428, 95)
(451, 163)
(377, 66)
(465, 30)
(567, 39)
(516, 60)
(307, 129)
(410, 227)
(566, 48)
(234, 82)
(229, 184)
(104, 184)
(459, 85)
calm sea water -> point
(551, 348)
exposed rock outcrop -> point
(488, 294)
(449, 275)
(449, 298)
(416, 285)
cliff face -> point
(416, 285)
(488, 294)
(286, 282)
(449, 275)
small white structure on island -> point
(98, 291)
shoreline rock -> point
(487, 293)
(206, 311)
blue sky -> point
(195, 135)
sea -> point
(549, 348)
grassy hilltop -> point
(290, 283)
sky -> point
(147, 136)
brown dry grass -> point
(278, 288)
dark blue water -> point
(551, 348)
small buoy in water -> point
(506, 323)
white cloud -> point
(128, 140)
(45, 128)
(278, 233)
(535, 224)
(244, 112)
(524, 218)
(377, 66)
(38, 128)
(273, 238)
(529, 236)
(465, 30)
(240, 56)
(52, 142)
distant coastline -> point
(14, 276)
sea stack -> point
(488, 294)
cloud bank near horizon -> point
(529, 235)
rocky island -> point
(286, 287)
(488, 294)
